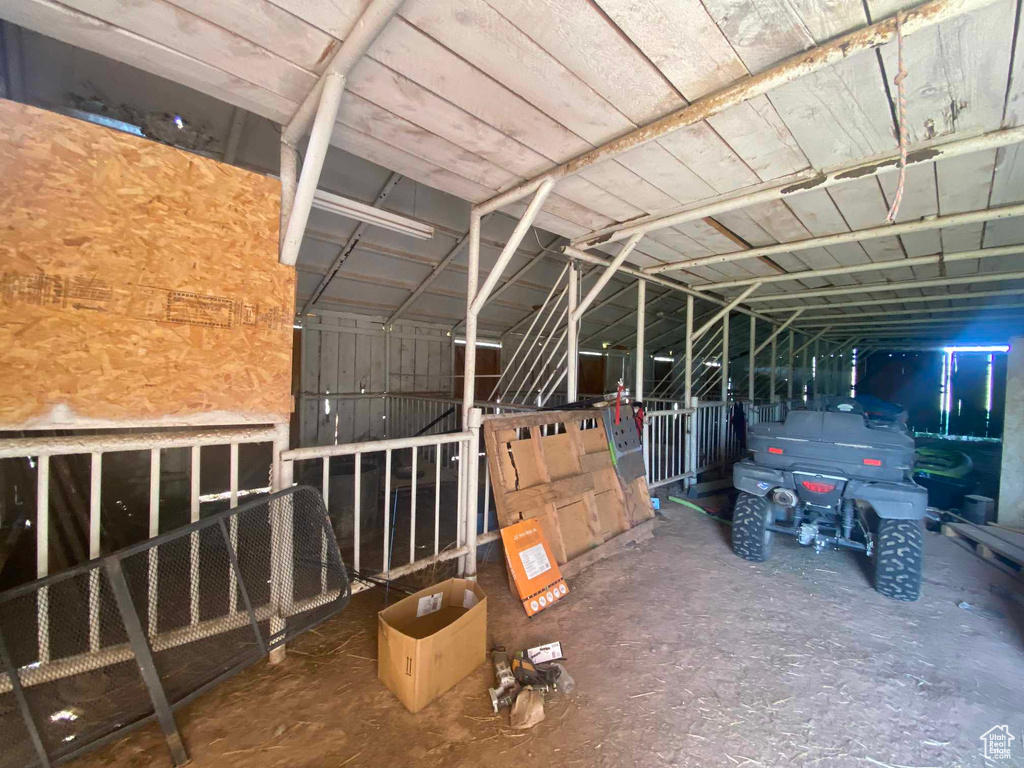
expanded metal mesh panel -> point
(192, 606)
(78, 673)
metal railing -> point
(680, 443)
(41, 450)
(372, 489)
(141, 627)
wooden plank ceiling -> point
(471, 96)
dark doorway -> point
(592, 373)
(488, 367)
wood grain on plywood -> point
(141, 282)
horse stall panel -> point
(346, 354)
(140, 283)
(566, 478)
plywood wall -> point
(139, 284)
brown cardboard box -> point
(429, 641)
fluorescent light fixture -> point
(663, 359)
(591, 354)
(487, 344)
(992, 348)
(378, 217)
(712, 364)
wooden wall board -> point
(141, 283)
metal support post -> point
(641, 360)
(789, 373)
(472, 280)
(774, 368)
(313, 163)
(688, 354)
(725, 358)
(816, 367)
(473, 486)
(751, 359)
(572, 359)
(805, 378)
(281, 561)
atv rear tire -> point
(899, 547)
(751, 538)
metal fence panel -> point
(121, 640)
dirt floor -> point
(683, 655)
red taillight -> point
(873, 462)
(774, 450)
(814, 487)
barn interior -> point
(308, 306)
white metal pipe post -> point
(774, 368)
(472, 461)
(312, 165)
(472, 281)
(641, 361)
(751, 359)
(789, 374)
(688, 380)
(725, 358)
(816, 366)
(321, 106)
(572, 357)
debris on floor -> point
(521, 682)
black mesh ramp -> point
(202, 602)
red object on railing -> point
(618, 403)
(814, 487)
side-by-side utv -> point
(833, 478)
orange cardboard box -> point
(531, 566)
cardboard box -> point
(429, 641)
(533, 572)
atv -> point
(832, 478)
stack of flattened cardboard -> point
(558, 466)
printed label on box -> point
(469, 599)
(429, 604)
(544, 653)
(535, 561)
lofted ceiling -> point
(470, 97)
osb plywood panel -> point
(138, 283)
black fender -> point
(891, 501)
